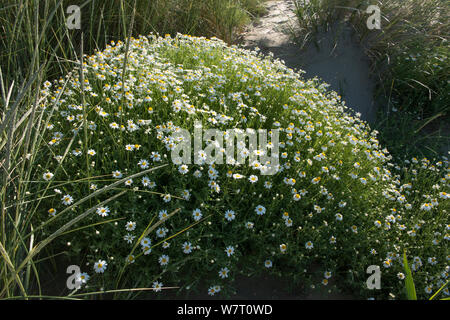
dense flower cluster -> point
(335, 206)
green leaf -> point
(409, 282)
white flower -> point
(223, 273)
(100, 266)
(143, 164)
(253, 179)
(103, 211)
(130, 226)
(183, 169)
(260, 210)
(163, 260)
(161, 232)
(197, 214)
(83, 277)
(229, 250)
(129, 238)
(167, 198)
(47, 176)
(146, 242)
(230, 215)
(157, 286)
(187, 247)
(67, 199)
(117, 174)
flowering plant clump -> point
(334, 206)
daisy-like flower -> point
(145, 181)
(167, 198)
(325, 282)
(163, 260)
(339, 217)
(260, 210)
(157, 286)
(130, 259)
(100, 266)
(211, 291)
(186, 194)
(327, 274)
(129, 182)
(117, 174)
(309, 245)
(130, 226)
(253, 178)
(83, 277)
(52, 212)
(147, 249)
(91, 152)
(103, 211)
(143, 163)
(429, 289)
(155, 156)
(129, 238)
(230, 215)
(249, 225)
(229, 250)
(283, 248)
(183, 169)
(47, 176)
(130, 147)
(387, 263)
(267, 184)
(288, 222)
(146, 242)
(161, 232)
(223, 273)
(197, 214)
(400, 276)
(67, 199)
(268, 264)
(163, 214)
(187, 247)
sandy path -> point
(335, 56)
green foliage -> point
(336, 201)
(409, 282)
